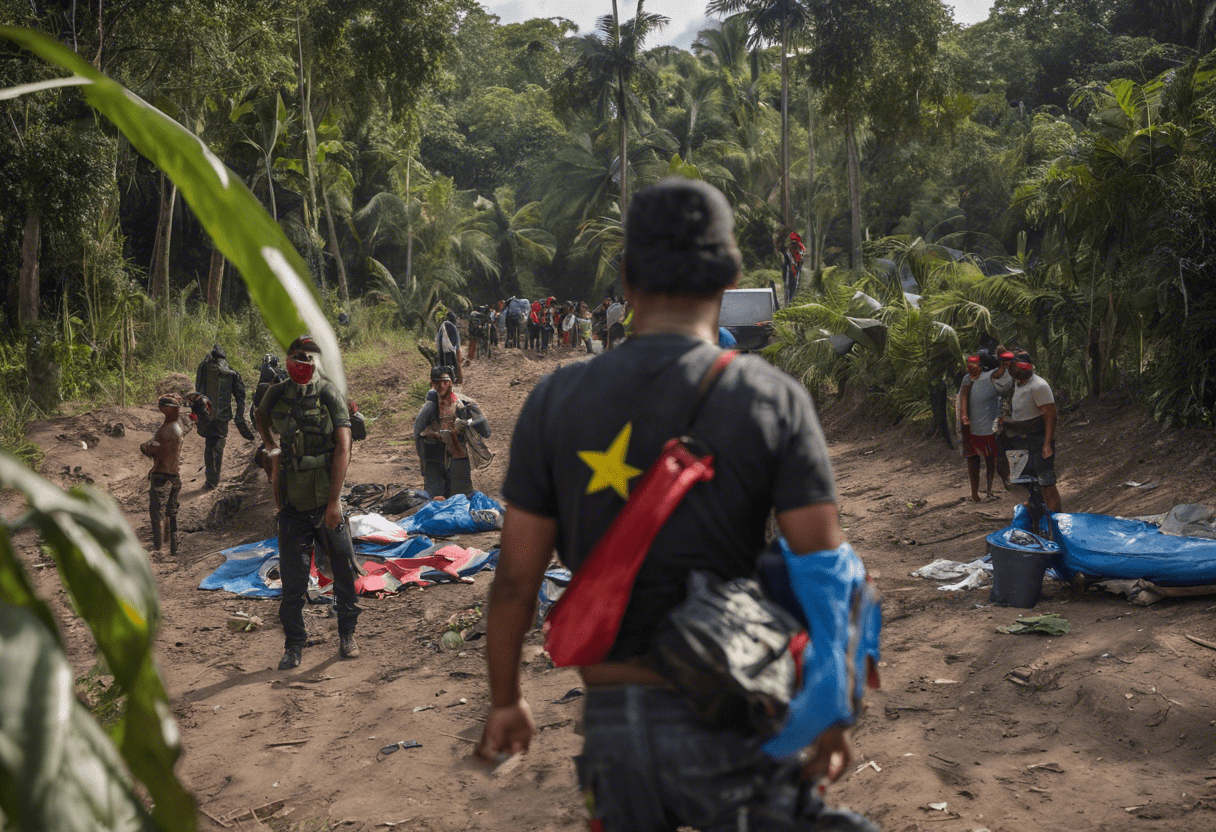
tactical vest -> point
(306, 431)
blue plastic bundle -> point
(455, 515)
(841, 609)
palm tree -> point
(518, 238)
(773, 21)
(610, 60)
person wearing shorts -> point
(1034, 416)
(979, 410)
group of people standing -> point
(1001, 397)
(518, 323)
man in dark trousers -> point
(440, 437)
(220, 384)
(584, 437)
(312, 421)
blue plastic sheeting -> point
(407, 549)
(244, 573)
(1001, 538)
(827, 584)
(1110, 547)
(455, 515)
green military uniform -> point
(306, 418)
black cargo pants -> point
(299, 532)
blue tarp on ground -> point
(1110, 547)
(244, 572)
(1104, 547)
(407, 549)
(455, 515)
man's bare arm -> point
(527, 546)
(1049, 428)
(337, 477)
(811, 528)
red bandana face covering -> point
(299, 372)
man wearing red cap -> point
(312, 420)
(979, 409)
(1034, 416)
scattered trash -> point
(570, 696)
(451, 640)
(1019, 676)
(1051, 624)
(1144, 593)
(945, 682)
(392, 749)
(870, 764)
(1147, 486)
(1054, 768)
(937, 807)
(242, 622)
(973, 574)
(420, 709)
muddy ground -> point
(1111, 727)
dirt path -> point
(1113, 729)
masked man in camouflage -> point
(309, 461)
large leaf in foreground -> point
(106, 574)
(236, 221)
(61, 771)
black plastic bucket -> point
(1017, 575)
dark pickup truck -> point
(748, 315)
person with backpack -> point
(443, 434)
(220, 384)
(309, 461)
(447, 344)
(583, 440)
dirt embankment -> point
(1110, 727)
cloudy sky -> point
(687, 16)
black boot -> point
(291, 657)
(348, 648)
(156, 534)
(173, 535)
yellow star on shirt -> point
(609, 469)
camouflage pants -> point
(162, 505)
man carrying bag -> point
(582, 443)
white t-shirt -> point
(1029, 398)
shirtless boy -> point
(165, 451)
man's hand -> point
(833, 754)
(966, 419)
(508, 730)
(1048, 451)
(333, 516)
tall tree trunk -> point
(854, 190)
(160, 249)
(333, 243)
(215, 280)
(310, 151)
(816, 255)
(624, 139)
(787, 211)
(28, 284)
(409, 224)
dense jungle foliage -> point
(1045, 178)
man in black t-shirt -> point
(583, 439)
